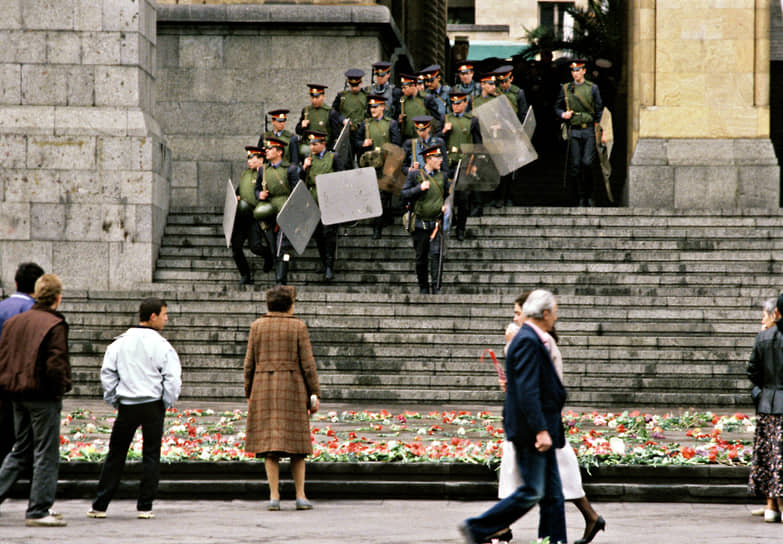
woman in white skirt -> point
(567, 464)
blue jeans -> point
(37, 446)
(541, 486)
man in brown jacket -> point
(35, 373)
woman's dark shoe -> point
(503, 536)
(598, 525)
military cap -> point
(316, 135)
(577, 64)
(422, 121)
(432, 151)
(407, 79)
(489, 77)
(431, 70)
(376, 99)
(354, 75)
(381, 67)
(465, 66)
(421, 77)
(254, 150)
(502, 73)
(457, 96)
(316, 89)
(271, 141)
(279, 115)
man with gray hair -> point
(534, 399)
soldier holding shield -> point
(370, 137)
(245, 225)
(460, 128)
(273, 186)
(425, 192)
(350, 106)
(321, 161)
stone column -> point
(84, 185)
(700, 103)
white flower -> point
(461, 431)
(617, 445)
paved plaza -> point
(375, 522)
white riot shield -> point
(298, 218)
(503, 136)
(529, 124)
(606, 129)
(350, 195)
(229, 212)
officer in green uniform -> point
(245, 225)
(460, 128)
(274, 185)
(425, 192)
(373, 132)
(488, 92)
(314, 117)
(580, 105)
(412, 104)
(320, 161)
(279, 118)
(350, 106)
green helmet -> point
(264, 210)
(244, 208)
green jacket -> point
(320, 165)
(247, 187)
(276, 180)
(428, 206)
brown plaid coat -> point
(280, 376)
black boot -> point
(281, 276)
(434, 273)
(421, 277)
(376, 232)
(329, 268)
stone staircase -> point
(657, 307)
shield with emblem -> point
(476, 170)
(299, 217)
(503, 136)
(392, 178)
(350, 195)
(342, 146)
(529, 124)
(604, 150)
(229, 212)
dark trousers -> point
(326, 242)
(581, 153)
(541, 485)
(37, 446)
(7, 436)
(462, 203)
(247, 228)
(386, 218)
(149, 416)
(426, 248)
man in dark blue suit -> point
(534, 399)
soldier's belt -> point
(580, 125)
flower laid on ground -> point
(435, 437)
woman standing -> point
(281, 383)
(765, 370)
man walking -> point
(35, 373)
(21, 301)
(141, 377)
(532, 421)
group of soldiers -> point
(427, 119)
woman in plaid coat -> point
(281, 383)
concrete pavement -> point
(375, 522)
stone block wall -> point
(222, 67)
(84, 187)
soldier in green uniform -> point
(274, 185)
(460, 128)
(314, 117)
(245, 225)
(412, 104)
(279, 118)
(580, 105)
(373, 132)
(424, 193)
(320, 161)
(488, 90)
(350, 106)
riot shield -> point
(476, 171)
(343, 146)
(299, 217)
(503, 136)
(605, 150)
(229, 212)
(449, 203)
(392, 179)
(349, 195)
(529, 125)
